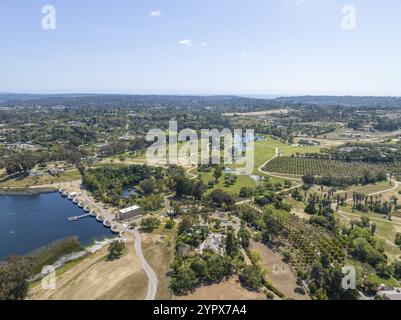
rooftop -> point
(125, 210)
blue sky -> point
(261, 47)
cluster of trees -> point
(222, 198)
(270, 198)
(363, 178)
(21, 162)
(206, 269)
(107, 182)
(321, 211)
(374, 204)
(363, 244)
(184, 187)
(16, 271)
(116, 249)
(149, 224)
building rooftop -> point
(125, 210)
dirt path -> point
(353, 215)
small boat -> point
(107, 224)
(60, 190)
(81, 205)
(99, 218)
(71, 219)
(86, 209)
(65, 194)
(75, 201)
(92, 214)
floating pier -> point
(75, 218)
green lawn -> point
(242, 181)
(367, 189)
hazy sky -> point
(263, 47)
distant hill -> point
(5, 96)
(236, 102)
(351, 101)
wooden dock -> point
(75, 218)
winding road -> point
(152, 277)
(260, 169)
(153, 281)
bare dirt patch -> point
(279, 273)
(226, 290)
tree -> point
(217, 266)
(200, 268)
(231, 244)
(220, 197)
(14, 273)
(218, 171)
(148, 186)
(116, 249)
(246, 192)
(252, 277)
(185, 224)
(396, 266)
(398, 239)
(244, 235)
(149, 224)
(183, 280)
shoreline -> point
(27, 191)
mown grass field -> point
(242, 181)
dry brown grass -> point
(95, 278)
(278, 273)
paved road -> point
(153, 281)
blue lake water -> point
(30, 222)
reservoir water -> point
(32, 221)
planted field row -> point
(320, 167)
